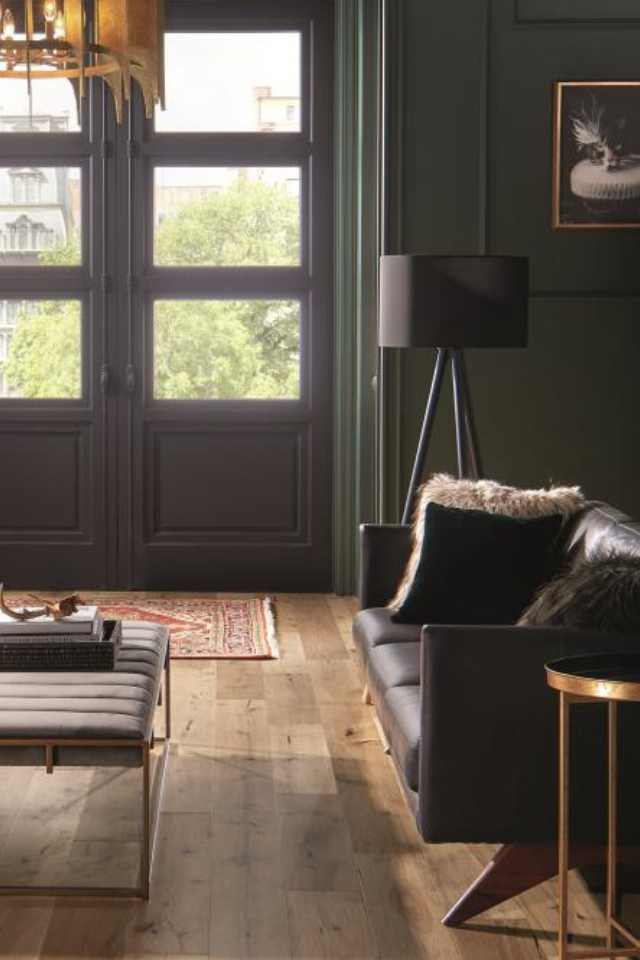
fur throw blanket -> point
(601, 594)
(487, 495)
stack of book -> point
(83, 641)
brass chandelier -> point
(122, 41)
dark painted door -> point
(166, 316)
(228, 312)
(53, 339)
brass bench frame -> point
(151, 800)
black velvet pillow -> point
(478, 567)
(600, 594)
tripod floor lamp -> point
(451, 303)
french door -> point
(166, 374)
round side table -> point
(593, 678)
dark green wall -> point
(475, 176)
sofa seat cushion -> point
(393, 665)
(400, 713)
(374, 628)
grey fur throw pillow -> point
(600, 594)
(486, 495)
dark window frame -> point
(255, 149)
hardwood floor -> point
(283, 835)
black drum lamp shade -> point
(454, 302)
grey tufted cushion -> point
(110, 705)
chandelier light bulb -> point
(50, 10)
(59, 31)
(8, 24)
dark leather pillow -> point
(478, 567)
(600, 594)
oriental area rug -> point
(200, 629)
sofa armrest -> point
(489, 737)
(384, 551)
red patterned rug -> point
(200, 629)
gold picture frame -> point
(596, 155)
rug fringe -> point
(270, 621)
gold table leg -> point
(612, 839)
(615, 928)
(563, 826)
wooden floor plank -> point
(176, 918)
(23, 928)
(238, 680)
(331, 926)
(242, 766)
(315, 845)
(193, 694)
(290, 698)
(343, 610)
(248, 916)
(87, 928)
(321, 637)
(301, 760)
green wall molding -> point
(390, 365)
(357, 86)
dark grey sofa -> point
(471, 724)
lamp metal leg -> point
(459, 409)
(426, 431)
(471, 433)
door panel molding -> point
(217, 487)
(37, 504)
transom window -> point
(232, 82)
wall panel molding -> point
(358, 68)
(584, 295)
(390, 378)
(484, 135)
(577, 11)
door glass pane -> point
(232, 82)
(40, 349)
(227, 216)
(51, 108)
(226, 349)
(40, 216)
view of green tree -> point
(203, 349)
(250, 223)
(62, 254)
(44, 357)
(225, 349)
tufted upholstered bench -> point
(101, 719)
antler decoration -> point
(57, 609)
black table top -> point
(607, 676)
